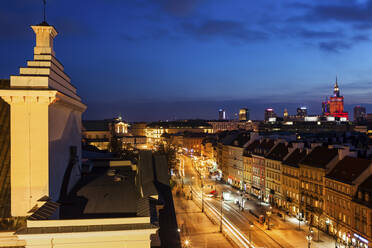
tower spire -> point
(336, 90)
(44, 3)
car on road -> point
(212, 194)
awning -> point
(255, 188)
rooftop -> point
(96, 125)
(295, 158)
(320, 156)
(85, 228)
(349, 169)
(180, 124)
(279, 152)
(98, 195)
(250, 148)
(264, 147)
(366, 186)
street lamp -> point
(202, 198)
(309, 237)
(221, 212)
(186, 243)
(250, 232)
(299, 215)
(268, 213)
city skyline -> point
(173, 151)
(195, 57)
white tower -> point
(45, 120)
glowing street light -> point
(187, 243)
(268, 213)
(309, 237)
(221, 212)
(250, 232)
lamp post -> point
(309, 237)
(268, 213)
(250, 232)
(202, 198)
(221, 214)
(299, 215)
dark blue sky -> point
(166, 59)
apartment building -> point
(258, 167)
(361, 235)
(312, 176)
(247, 165)
(273, 170)
(340, 187)
(291, 181)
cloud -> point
(226, 29)
(349, 12)
(360, 37)
(155, 34)
(333, 46)
(180, 8)
(310, 34)
(72, 27)
(363, 26)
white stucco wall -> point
(64, 132)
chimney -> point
(343, 152)
(298, 145)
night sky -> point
(175, 59)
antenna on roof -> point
(44, 1)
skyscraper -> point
(302, 112)
(359, 113)
(243, 114)
(335, 105)
(269, 113)
(285, 114)
(221, 114)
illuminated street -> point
(195, 227)
(281, 233)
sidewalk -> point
(196, 227)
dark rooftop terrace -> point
(97, 195)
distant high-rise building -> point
(243, 114)
(359, 113)
(221, 114)
(285, 113)
(335, 105)
(301, 112)
(269, 113)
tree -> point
(169, 152)
(116, 145)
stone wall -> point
(4, 154)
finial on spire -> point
(44, 1)
(336, 90)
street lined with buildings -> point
(281, 234)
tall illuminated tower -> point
(335, 105)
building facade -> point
(273, 170)
(312, 177)
(341, 185)
(291, 181)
